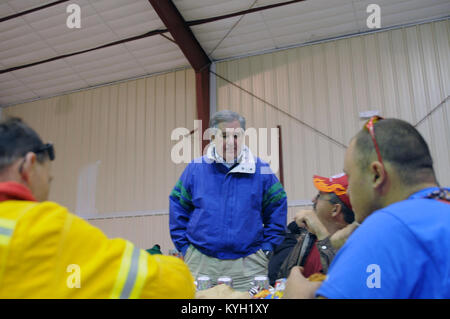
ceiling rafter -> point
(235, 14)
(19, 14)
(181, 33)
(142, 36)
(296, 24)
(194, 53)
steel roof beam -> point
(19, 14)
(181, 33)
(193, 52)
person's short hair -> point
(226, 116)
(349, 215)
(17, 139)
(401, 145)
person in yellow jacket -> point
(47, 252)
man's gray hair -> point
(226, 116)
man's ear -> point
(209, 134)
(337, 214)
(27, 166)
(378, 174)
(214, 133)
(337, 208)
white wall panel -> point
(121, 133)
(144, 231)
(403, 73)
(113, 148)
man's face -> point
(229, 140)
(359, 187)
(323, 207)
(40, 179)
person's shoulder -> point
(200, 161)
(263, 167)
(381, 225)
(261, 162)
(196, 165)
(33, 218)
(43, 211)
(417, 211)
(43, 222)
(427, 220)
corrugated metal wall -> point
(113, 147)
(113, 143)
(144, 231)
(403, 73)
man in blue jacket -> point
(228, 210)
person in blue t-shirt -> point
(401, 248)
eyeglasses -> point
(321, 196)
(369, 126)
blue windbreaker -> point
(227, 214)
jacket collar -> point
(247, 162)
(15, 191)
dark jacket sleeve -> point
(327, 253)
(180, 209)
(279, 255)
(274, 209)
(274, 213)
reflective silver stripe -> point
(132, 274)
(6, 231)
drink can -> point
(261, 283)
(280, 284)
(204, 282)
(225, 280)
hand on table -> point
(298, 287)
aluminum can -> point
(225, 280)
(203, 282)
(261, 283)
(280, 284)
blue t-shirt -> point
(400, 251)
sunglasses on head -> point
(369, 126)
(46, 148)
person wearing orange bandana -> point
(309, 243)
(47, 252)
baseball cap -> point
(337, 184)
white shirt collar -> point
(247, 162)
